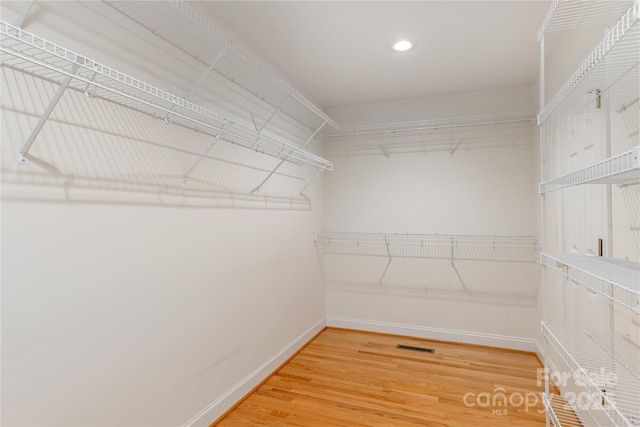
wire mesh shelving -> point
(615, 279)
(560, 412)
(473, 266)
(448, 134)
(620, 169)
(31, 54)
(604, 377)
(179, 23)
(611, 70)
(596, 327)
(570, 14)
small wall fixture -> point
(402, 46)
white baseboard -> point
(491, 340)
(219, 406)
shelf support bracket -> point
(24, 13)
(206, 73)
(22, 155)
(195, 87)
(285, 158)
(185, 175)
(90, 89)
(273, 114)
(453, 265)
(384, 273)
(311, 181)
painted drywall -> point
(128, 297)
(128, 315)
(481, 191)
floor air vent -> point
(410, 347)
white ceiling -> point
(339, 52)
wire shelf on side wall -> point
(177, 22)
(596, 369)
(611, 71)
(570, 14)
(561, 413)
(617, 280)
(621, 169)
(31, 54)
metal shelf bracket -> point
(384, 273)
(273, 114)
(185, 175)
(22, 155)
(187, 95)
(255, 190)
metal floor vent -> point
(410, 347)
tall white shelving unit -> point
(591, 314)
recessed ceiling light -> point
(402, 46)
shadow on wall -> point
(93, 151)
(495, 269)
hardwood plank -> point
(347, 378)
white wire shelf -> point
(610, 72)
(448, 134)
(618, 280)
(608, 374)
(184, 27)
(488, 241)
(620, 169)
(561, 413)
(435, 124)
(29, 53)
(570, 14)
(469, 266)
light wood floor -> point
(352, 378)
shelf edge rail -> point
(146, 98)
(617, 32)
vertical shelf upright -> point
(591, 304)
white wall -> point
(129, 298)
(474, 191)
